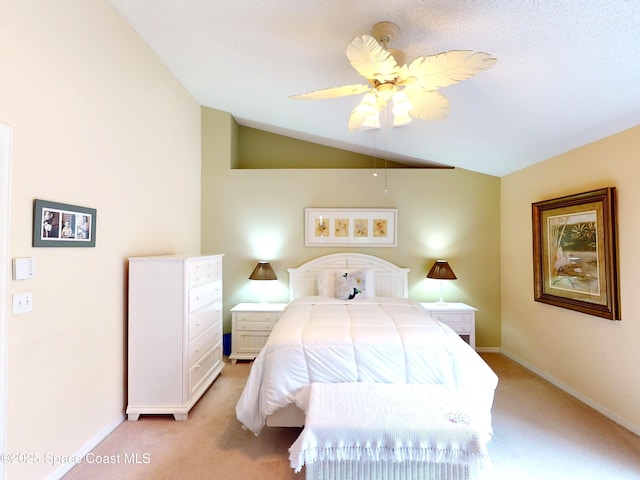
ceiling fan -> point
(412, 89)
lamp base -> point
(441, 301)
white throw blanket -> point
(381, 422)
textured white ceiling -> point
(568, 71)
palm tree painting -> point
(575, 258)
(573, 252)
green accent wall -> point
(260, 149)
(258, 214)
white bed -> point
(385, 338)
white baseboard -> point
(62, 470)
(488, 350)
(574, 393)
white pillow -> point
(327, 282)
(351, 285)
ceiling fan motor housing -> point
(385, 32)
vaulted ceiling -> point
(567, 72)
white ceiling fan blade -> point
(444, 69)
(333, 92)
(371, 60)
(427, 105)
(404, 74)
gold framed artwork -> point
(339, 227)
(575, 259)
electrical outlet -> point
(22, 303)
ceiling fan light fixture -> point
(366, 115)
(401, 109)
(371, 121)
(402, 119)
(401, 103)
(368, 106)
(387, 73)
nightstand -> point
(459, 316)
(251, 324)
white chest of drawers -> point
(459, 316)
(175, 332)
(251, 324)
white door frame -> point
(5, 197)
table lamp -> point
(263, 272)
(441, 271)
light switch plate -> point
(22, 302)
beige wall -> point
(595, 359)
(99, 122)
(252, 215)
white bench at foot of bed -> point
(371, 431)
(408, 470)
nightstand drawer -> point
(461, 318)
(264, 325)
(450, 317)
(251, 325)
(258, 317)
(460, 328)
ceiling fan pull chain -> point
(375, 154)
(386, 128)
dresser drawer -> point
(203, 295)
(202, 319)
(203, 342)
(199, 372)
(204, 270)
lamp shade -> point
(263, 271)
(441, 271)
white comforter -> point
(384, 340)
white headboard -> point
(390, 280)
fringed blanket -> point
(373, 422)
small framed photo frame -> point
(362, 227)
(575, 257)
(62, 225)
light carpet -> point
(540, 432)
